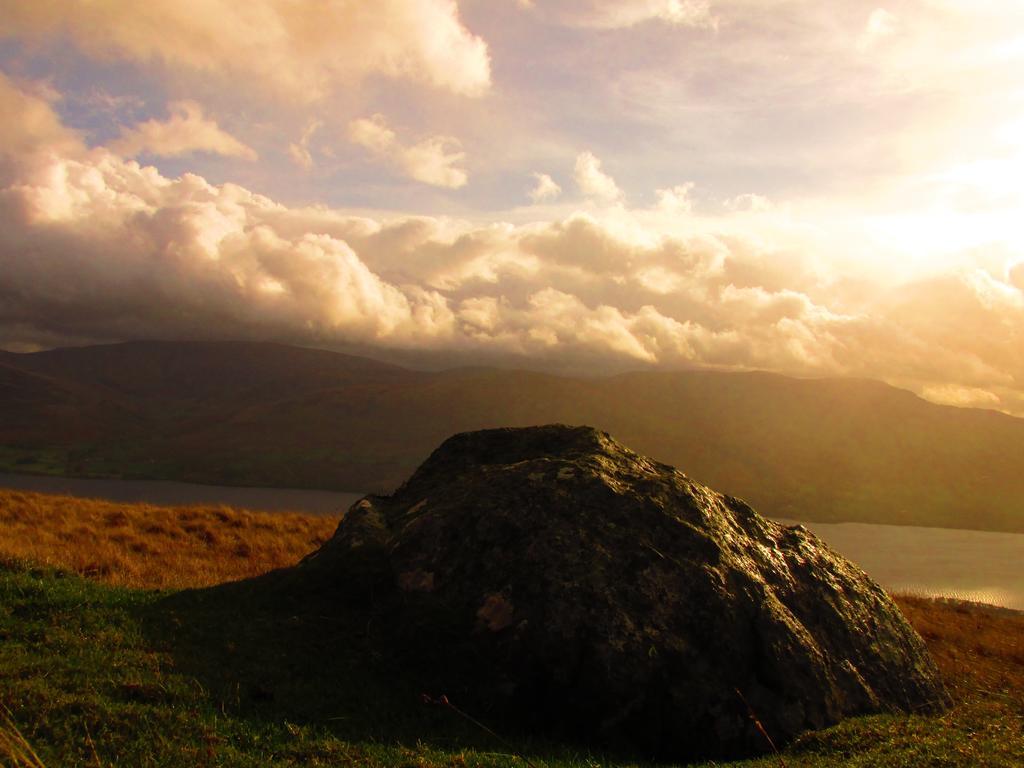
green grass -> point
(99, 676)
(34, 460)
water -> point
(981, 566)
(969, 565)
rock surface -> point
(610, 596)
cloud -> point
(96, 247)
(185, 132)
(545, 189)
(593, 182)
(31, 124)
(676, 199)
(301, 50)
(880, 25)
(374, 134)
(969, 397)
(619, 14)
(749, 201)
(1015, 275)
(433, 160)
(119, 251)
(299, 151)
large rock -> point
(609, 595)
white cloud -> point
(434, 160)
(97, 247)
(186, 131)
(749, 201)
(374, 134)
(593, 182)
(299, 151)
(300, 49)
(619, 14)
(880, 25)
(121, 251)
(545, 189)
(970, 397)
(300, 155)
(676, 199)
(1015, 275)
(31, 124)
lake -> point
(970, 565)
(982, 566)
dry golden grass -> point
(140, 545)
(978, 649)
(15, 751)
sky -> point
(816, 189)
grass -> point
(95, 673)
(13, 746)
(151, 547)
(37, 461)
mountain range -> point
(250, 413)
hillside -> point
(96, 674)
(153, 546)
(267, 414)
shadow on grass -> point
(285, 647)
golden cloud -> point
(301, 49)
(94, 246)
(186, 131)
(434, 160)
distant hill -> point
(269, 414)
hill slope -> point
(267, 414)
(100, 675)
